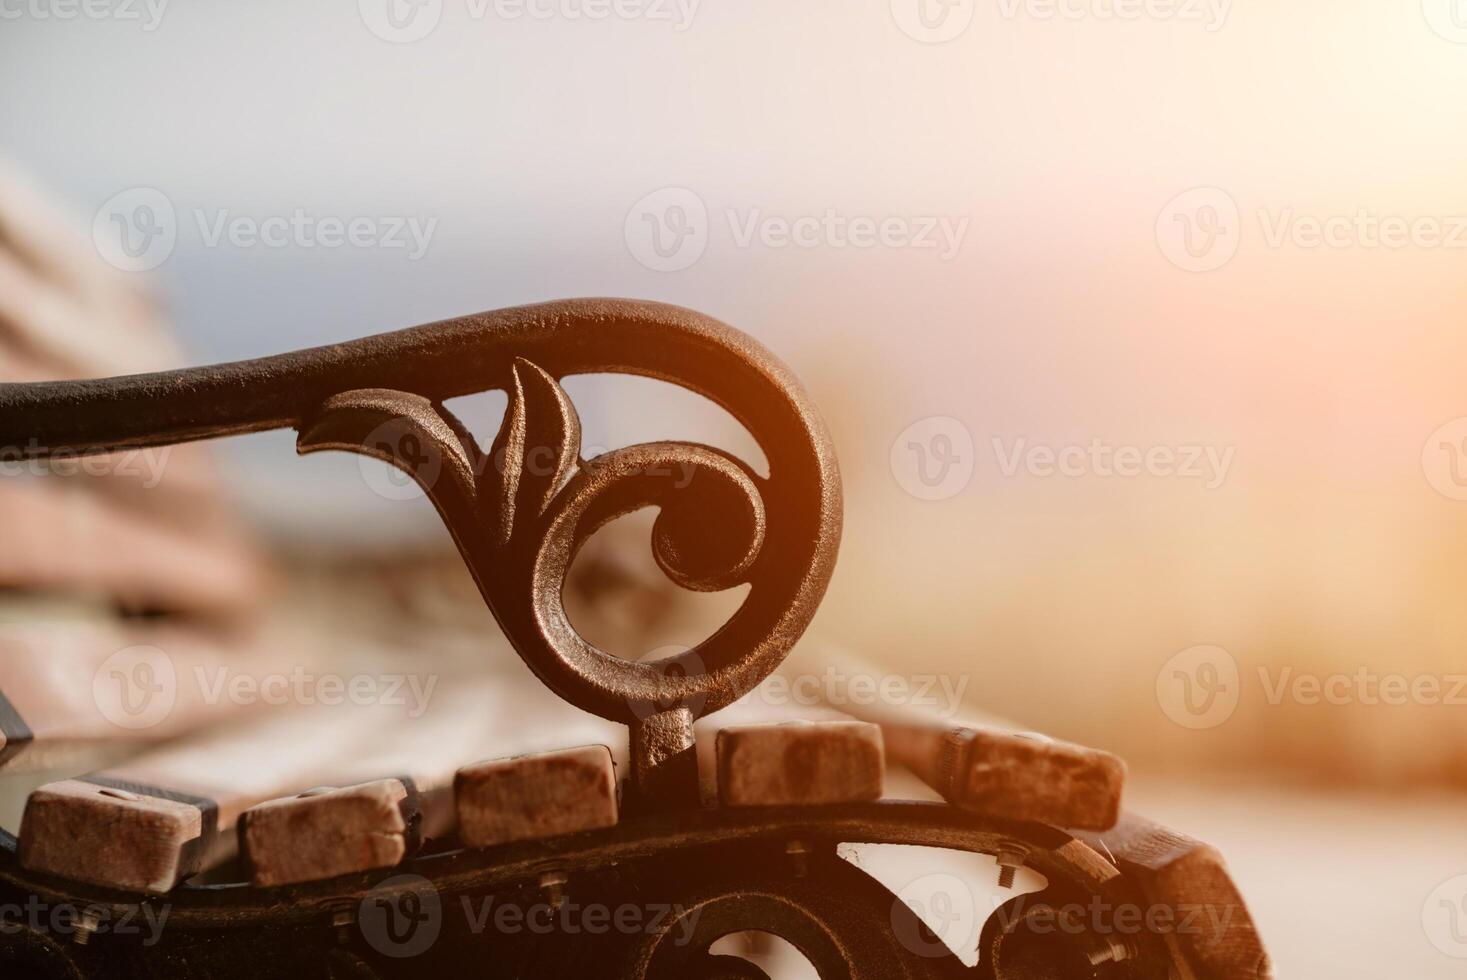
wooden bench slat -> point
(436, 760)
(1013, 776)
(987, 768)
(531, 797)
(1215, 935)
(800, 763)
(124, 828)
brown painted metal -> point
(519, 513)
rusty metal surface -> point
(518, 512)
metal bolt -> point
(1109, 950)
(552, 886)
(90, 920)
(1010, 860)
(343, 913)
(799, 856)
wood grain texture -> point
(988, 768)
(327, 832)
(351, 825)
(800, 763)
(1215, 935)
(115, 828)
(536, 796)
(114, 837)
(1013, 776)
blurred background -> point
(1137, 328)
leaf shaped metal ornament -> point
(534, 453)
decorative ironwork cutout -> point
(520, 512)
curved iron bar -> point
(520, 512)
(727, 866)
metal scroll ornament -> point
(520, 512)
